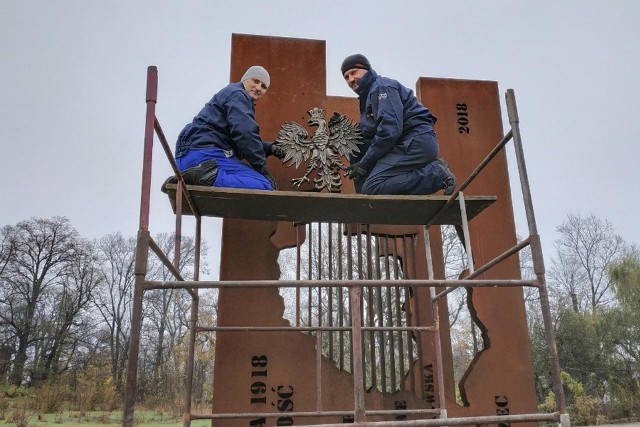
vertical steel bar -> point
(392, 353)
(360, 277)
(319, 370)
(142, 257)
(186, 417)
(359, 250)
(406, 260)
(178, 233)
(330, 310)
(536, 252)
(438, 371)
(152, 98)
(320, 275)
(197, 253)
(370, 314)
(418, 316)
(195, 305)
(465, 229)
(298, 268)
(341, 299)
(350, 277)
(381, 336)
(355, 294)
(310, 274)
(398, 316)
(177, 236)
(142, 249)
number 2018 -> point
(463, 118)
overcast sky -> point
(73, 76)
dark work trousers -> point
(407, 169)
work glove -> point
(273, 149)
(278, 151)
(356, 172)
(271, 180)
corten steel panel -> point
(422, 315)
(252, 371)
(297, 71)
(276, 371)
(500, 378)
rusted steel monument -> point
(362, 336)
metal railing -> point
(354, 324)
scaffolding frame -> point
(355, 287)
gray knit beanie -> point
(259, 72)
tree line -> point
(593, 281)
(594, 285)
(65, 307)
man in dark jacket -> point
(400, 151)
(209, 150)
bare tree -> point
(6, 249)
(7, 338)
(167, 314)
(585, 249)
(65, 321)
(40, 250)
(114, 296)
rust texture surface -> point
(276, 372)
(253, 372)
(500, 379)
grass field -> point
(93, 419)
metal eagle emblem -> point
(323, 151)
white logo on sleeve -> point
(382, 96)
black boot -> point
(204, 174)
(448, 178)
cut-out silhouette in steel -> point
(323, 151)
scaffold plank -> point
(300, 206)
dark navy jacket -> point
(227, 122)
(390, 114)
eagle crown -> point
(317, 119)
(316, 114)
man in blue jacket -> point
(400, 151)
(209, 150)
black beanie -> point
(355, 61)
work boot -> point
(171, 180)
(204, 174)
(448, 178)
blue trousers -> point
(232, 173)
(407, 169)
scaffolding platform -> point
(300, 206)
(358, 304)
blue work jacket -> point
(390, 114)
(227, 122)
